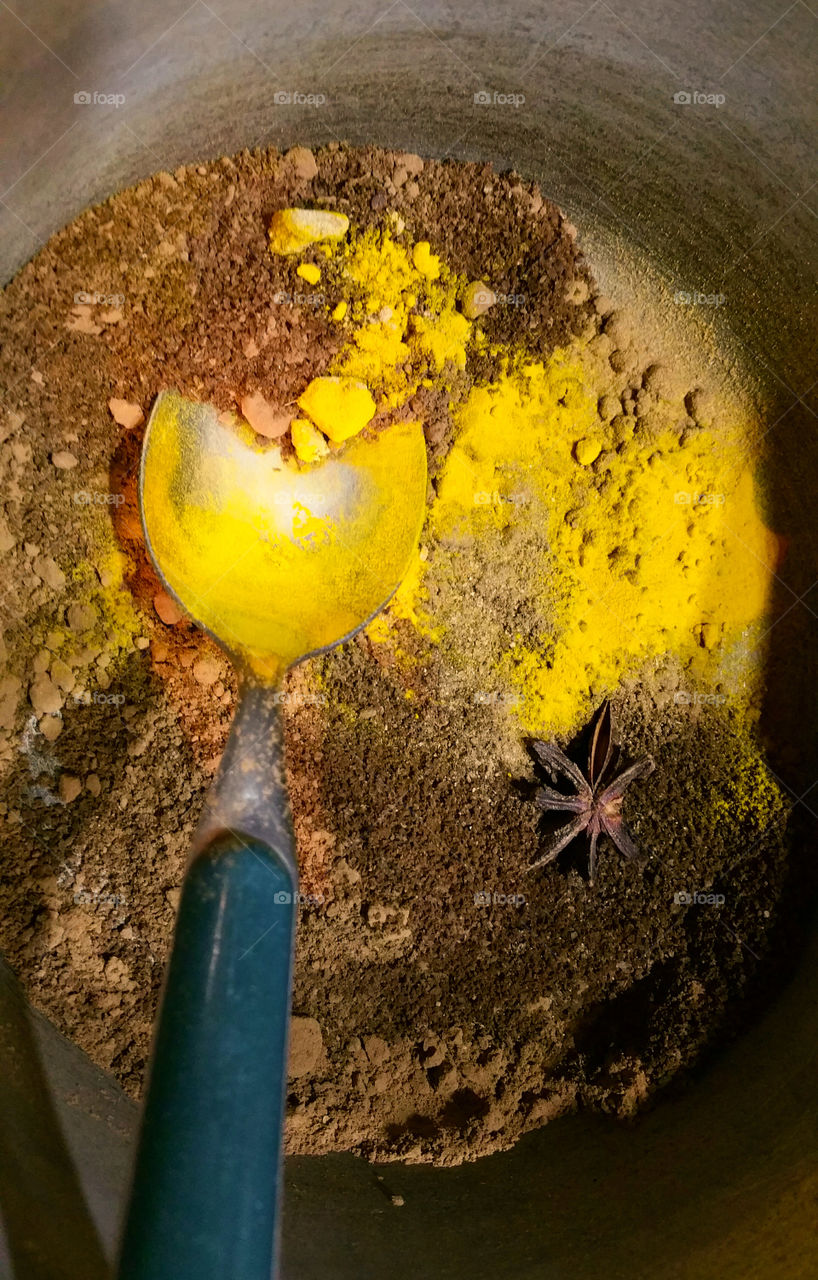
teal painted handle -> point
(206, 1188)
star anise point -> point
(596, 802)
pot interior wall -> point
(715, 198)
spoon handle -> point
(206, 1191)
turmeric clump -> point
(340, 407)
(426, 262)
(309, 271)
(292, 230)
(309, 444)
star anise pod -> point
(596, 800)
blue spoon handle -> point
(206, 1187)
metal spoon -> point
(276, 564)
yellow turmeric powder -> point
(656, 548)
(395, 346)
(637, 543)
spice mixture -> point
(595, 529)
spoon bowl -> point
(277, 562)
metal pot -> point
(710, 192)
